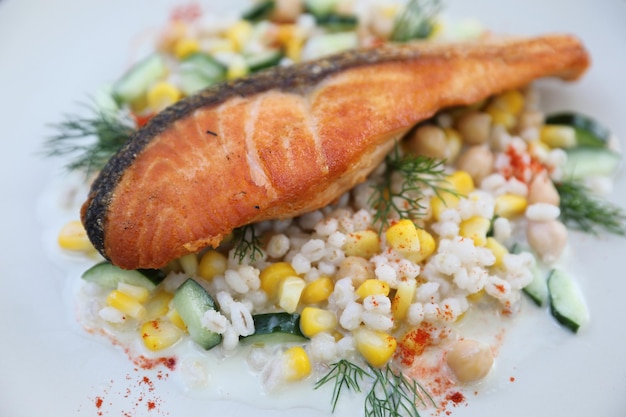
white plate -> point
(55, 53)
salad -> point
(368, 292)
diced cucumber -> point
(191, 301)
(135, 82)
(264, 60)
(590, 161)
(198, 71)
(108, 275)
(566, 302)
(337, 23)
(537, 290)
(319, 8)
(275, 328)
(259, 11)
(329, 43)
(588, 131)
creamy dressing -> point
(213, 375)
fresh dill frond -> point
(581, 210)
(418, 172)
(344, 374)
(391, 394)
(394, 395)
(246, 243)
(90, 140)
(416, 21)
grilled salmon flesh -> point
(292, 139)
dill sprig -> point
(391, 394)
(345, 374)
(395, 395)
(246, 243)
(416, 21)
(90, 140)
(581, 210)
(418, 172)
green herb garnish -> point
(345, 374)
(90, 140)
(416, 21)
(418, 172)
(581, 210)
(391, 394)
(247, 243)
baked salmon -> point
(292, 139)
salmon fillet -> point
(291, 139)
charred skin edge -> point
(296, 78)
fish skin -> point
(283, 142)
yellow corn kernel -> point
(239, 33)
(185, 46)
(402, 299)
(442, 202)
(454, 143)
(289, 292)
(315, 320)
(511, 101)
(501, 117)
(237, 68)
(176, 319)
(475, 228)
(158, 334)
(297, 364)
(158, 305)
(285, 33)
(140, 294)
(73, 236)
(427, 247)
(498, 249)
(272, 276)
(365, 243)
(161, 95)
(375, 346)
(126, 304)
(189, 264)
(461, 181)
(318, 290)
(476, 296)
(538, 149)
(402, 236)
(212, 263)
(558, 136)
(372, 287)
(293, 49)
(510, 205)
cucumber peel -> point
(109, 276)
(566, 302)
(191, 301)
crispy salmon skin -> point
(291, 139)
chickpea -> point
(477, 161)
(542, 190)
(356, 268)
(429, 140)
(547, 238)
(469, 360)
(287, 11)
(475, 127)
